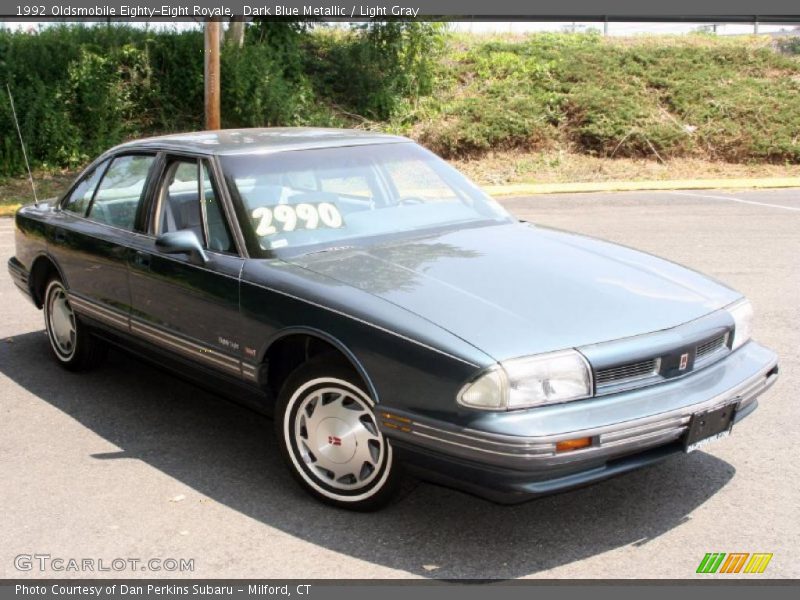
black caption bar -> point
(628, 10)
(396, 589)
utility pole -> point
(212, 74)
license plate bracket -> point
(709, 426)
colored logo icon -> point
(735, 562)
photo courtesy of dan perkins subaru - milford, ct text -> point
(63, 589)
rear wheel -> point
(329, 436)
(72, 344)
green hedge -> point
(80, 90)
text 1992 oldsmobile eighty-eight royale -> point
(388, 312)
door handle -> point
(60, 236)
(141, 259)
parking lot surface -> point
(130, 462)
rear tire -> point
(72, 344)
(329, 437)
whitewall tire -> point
(330, 439)
(71, 343)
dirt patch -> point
(15, 191)
(498, 168)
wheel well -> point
(42, 271)
(291, 351)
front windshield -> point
(329, 196)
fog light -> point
(576, 444)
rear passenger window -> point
(81, 196)
(118, 196)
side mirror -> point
(182, 242)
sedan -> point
(389, 315)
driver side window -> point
(188, 200)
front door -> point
(179, 302)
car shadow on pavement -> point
(431, 531)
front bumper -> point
(512, 456)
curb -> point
(8, 210)
(524, 189)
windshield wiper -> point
(330, 249)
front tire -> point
(72, 344)
(329, 437)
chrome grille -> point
(628, 372)
(632, 363)
(711, 346)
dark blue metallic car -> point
(388, 313)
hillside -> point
(730, 99)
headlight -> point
(530, 381)
(742, 313)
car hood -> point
(513, 290)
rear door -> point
(188, 307)
(99, 223)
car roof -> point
(260, 140)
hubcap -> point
(62, 322)
(338, 439)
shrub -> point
(256, 92)
(375, 70)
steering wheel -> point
(410, 201)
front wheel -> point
(72, 344)
(329, 437)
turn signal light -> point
(576, 444)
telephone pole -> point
(212, 74)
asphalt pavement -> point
(128, 462)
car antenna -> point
(22, 143)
